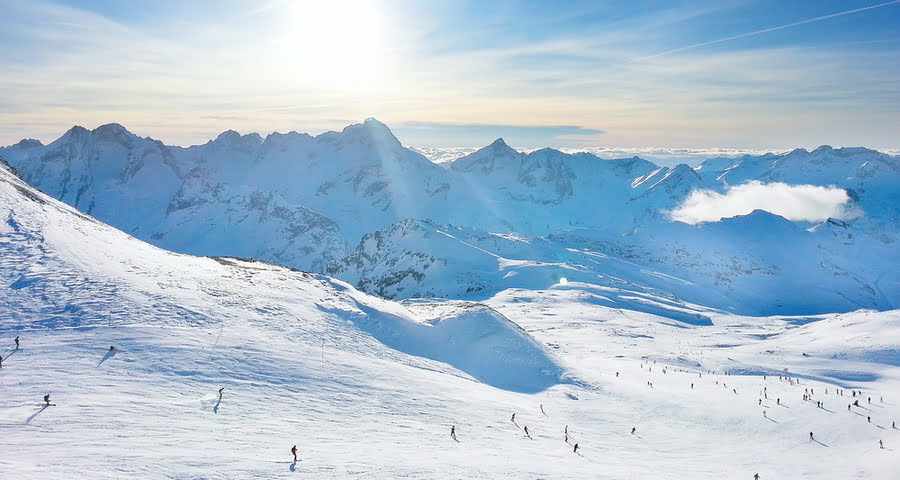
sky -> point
(668, 74)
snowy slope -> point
(370, 388)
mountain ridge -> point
(318, 203)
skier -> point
(526, 432)
(760, 401)
(778, 401)
(513, 418)
(764, 414)
(1, 361)
(453, 432)
(112, 348)
(47, 399)
(870, 400)
(542, 410)
(632, 430)
(894, 424)
(220, 392)
(617, 374)
(692, 386)
(294, 452)
(17, 342)
(881, 444)
(856, 403)
(755, 476)
(810, 436)
(869, 419)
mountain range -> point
(359, 206)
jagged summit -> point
(28, 143)
(110, 129)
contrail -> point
(771, 29)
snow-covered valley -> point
(370, 388)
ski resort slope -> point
(368, 388)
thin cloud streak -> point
(767, 30)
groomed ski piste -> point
(368, 388)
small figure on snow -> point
(513, 418)
(1, 361)
(632, 430)
(755, 476)
(453, 432)
(47, 399)
(881, 444)
(294, 452)
(778, 401)
(17, 342)
(869, 419)
(542, 410)
(220, 392)
(692, 386)
(526, 432)
(575, 450)
(810, 436)
(112, 348)
(856, 403)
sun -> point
(334, 44)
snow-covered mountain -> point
(358, 205)
(370, 388)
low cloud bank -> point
(808, 203)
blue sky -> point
(669, 74)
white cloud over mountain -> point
(809, 203)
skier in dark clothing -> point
(632, 430)
(755, 476)
(47, 399)
(453, 432)
(513, 418)
(526, 432)
(575, 450)
(17, 342)
(220, 392)
(294, 452)
(112, 348)
(810, 436)
(1, 361)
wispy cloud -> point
(184, 78)
(770, 29)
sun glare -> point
(334, 44)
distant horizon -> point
(686, 74)
(663, 156)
